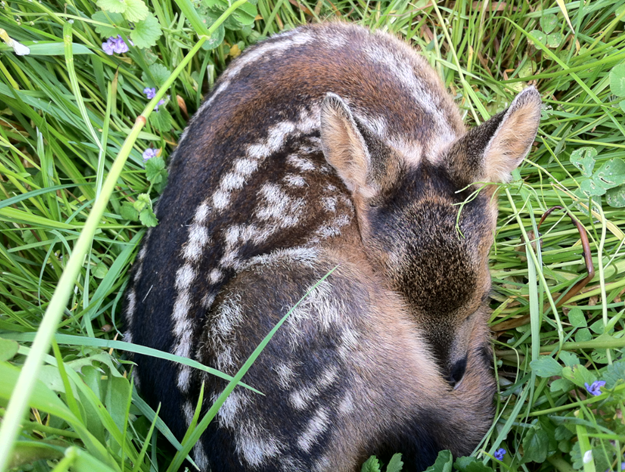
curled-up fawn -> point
(327, 146)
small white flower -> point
(587, 456)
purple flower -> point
(499, 453)
(149, 153)
(595, 388)
(115, 45)
(108, 47)
(160, 102)
(149, 92)
(120, 46)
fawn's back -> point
(327, 146)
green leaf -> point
(561, 385)
(159, 72)
(611, 174)
(470, 464)
(577, 318)
(146, 32)
(28, 452)
(8, 349)
(245, 14)
(114, 6)
(548, 22)
(617, 80)
(444, 462)
(395, 464)
(112, 22)
(148, 218)
(569, 358)
(100, 271)
(154, 169)
(555, 39)
(622, 105)
(371, 465)
(116, 399)
(615, 197)
(540, 36)
(128, 212)
(161, 119)
(597, 327)
(614, 374)
(535, 445)
(591, 187)
(143, 201)
(579, 375)
(546, 366)
(584, 159)
(218, 35)
(583, 335)
(136, 10)
(562, 433)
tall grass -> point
(72, 147)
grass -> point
(68, 120)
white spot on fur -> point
(201, 213)
(198, 239)
(184, 277)
(303, 255)
(333, 228)
(258, 151)
(300, 399)
(128, 336)
(184, 378)
(221, 199)
(228, 411)
(329, 204)
(300, 163)
(132, 301)
(232, 181)
(279, 206)
(181, 307)
(328, 377)
(215, 276)
(208, 299)
(255, 446)
(245, 167)
(316, 426)
(138, 272)
(294, 180)
(188, 410)
(346, 404)
(199, 456)
(228, 316)
(285, 375)
(225, 360)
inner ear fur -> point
(360, 158)
(491, 151)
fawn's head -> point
(425, 226)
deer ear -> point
(344, 146)
(491, 151)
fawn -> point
(326, 146)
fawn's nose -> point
(456, 372)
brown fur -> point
(328, 146)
